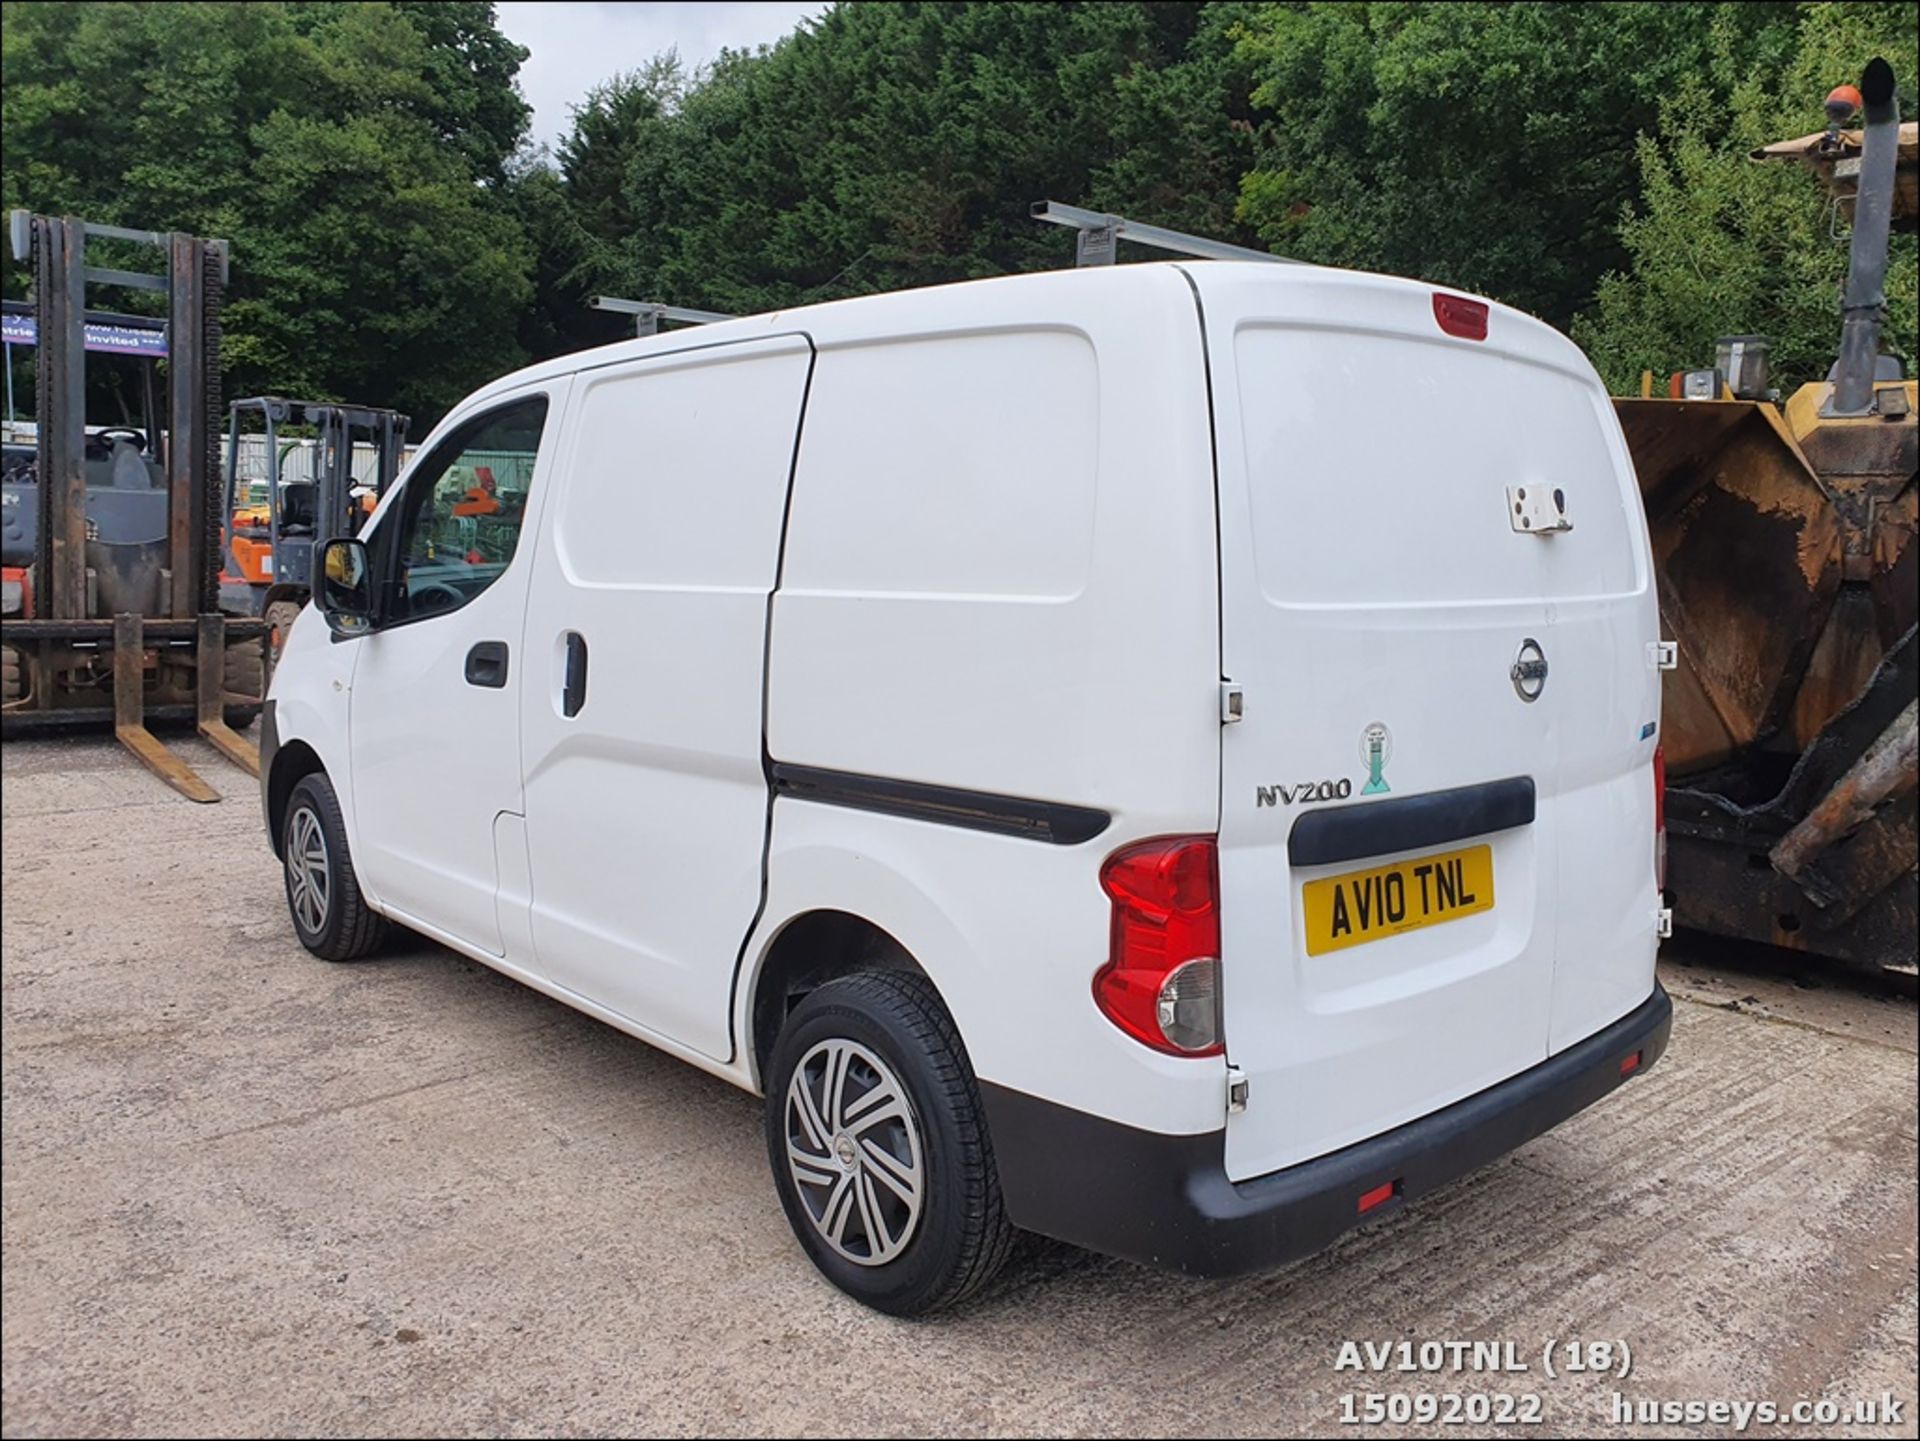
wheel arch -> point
(806, 951)
(292, 763)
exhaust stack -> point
(1866, 295)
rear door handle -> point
(487, 664)
(575, 694)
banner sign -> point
(113, 339)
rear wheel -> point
(879, 1146)
(330, 915)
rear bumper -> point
(1166, 1200)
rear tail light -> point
(1630, 1063)
(1660, 817)
(1459, 316)
(1161, 982)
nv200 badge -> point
(1302, 793)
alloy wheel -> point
(855, 1151)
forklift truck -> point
(112, 592)
(271, 539)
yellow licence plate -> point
(1366, 905)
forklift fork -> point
(210, 678)
(129, 710)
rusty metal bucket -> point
(1784, 553)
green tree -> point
(1488, 146)
(893, 145)
(1719, 244)
(354, 154)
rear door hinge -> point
(1663, 654)
(1236, 1090)
(1233, 703)
(1663, 922)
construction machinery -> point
(1783, 540)
(112, 537)
(279, 512)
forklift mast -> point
(194, 284)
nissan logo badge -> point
(1529, 673)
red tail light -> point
(1660, 817)
(1161, 982)
(1459, 316)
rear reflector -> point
(1378, 1196)
(1459, 316)
(1630, 1064)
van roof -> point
(942, 307)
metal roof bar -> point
(1100, 234)
(647, 314)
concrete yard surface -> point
(248, 1192)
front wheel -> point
(280, 617)
(330, 915)
(879, 1147)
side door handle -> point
(487, 664)
(575, 694)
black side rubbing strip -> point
(1378, 828)
(1058, 825)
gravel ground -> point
(246, 1192)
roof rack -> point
(1100, 236)
(647, 314)
(1096, 244)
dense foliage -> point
(396, 240)
(355, 155)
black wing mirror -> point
(346, 588)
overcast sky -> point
(577, 45)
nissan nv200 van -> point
(1162, 756)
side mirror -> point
(346, 588)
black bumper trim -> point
(1410, 823)
(1166, 1200)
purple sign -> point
(101, 335)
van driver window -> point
(462, 513)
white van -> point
(1161, 756)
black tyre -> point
(280, 617)
(244, 675)
(879, 1146)
(244, 670)
(329, 914)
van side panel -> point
(932, 613)
(647, 810)
(1000, 579)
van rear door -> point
(1396, 861)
